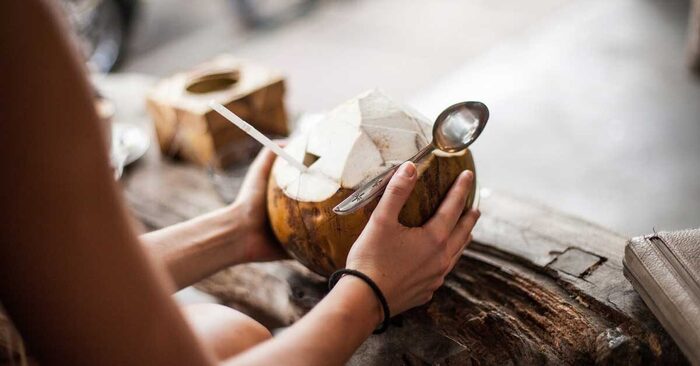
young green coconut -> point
(353, 143)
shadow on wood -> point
(536, 287)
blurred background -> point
(593, 108)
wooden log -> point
(276, 294)
(188, 128)
(536, 286)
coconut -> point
(352, 144)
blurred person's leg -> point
(226, 330)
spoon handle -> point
(364, 195)
(375, 186)
(422, 153)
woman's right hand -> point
(409, 264)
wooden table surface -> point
(536, 286)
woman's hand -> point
(409, 264)
(260, 244)
(238, 233)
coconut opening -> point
(213, 82)
(310, 159)
(353, 143)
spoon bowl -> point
(459, 125)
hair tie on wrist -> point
(337, 275)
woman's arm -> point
(408, 265)
(328, 335)
(199, 247)
(73, 275)
(235, 234)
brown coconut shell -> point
(321, 240)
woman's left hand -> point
(259, 241)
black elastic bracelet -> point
(335, 277)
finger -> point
(452, 206)
(264, 160)
(457, 256)
(281, 142)
(462, 230)
(273, 251)
(259, 170)
(397, 192)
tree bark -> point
(535, 287)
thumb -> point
(397, 192)
(259, 171)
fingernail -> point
(407, 170)
(468, 175)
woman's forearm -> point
(328, 335)
(199, 247)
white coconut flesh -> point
(353, 143)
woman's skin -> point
(83, 288)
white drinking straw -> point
(250, 130)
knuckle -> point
(380, 217)
(397, 189)
(439, 237)
(444, 215)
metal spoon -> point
(454, 130)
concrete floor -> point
(593, 111)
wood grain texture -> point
(187, 128)
(535, 287)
